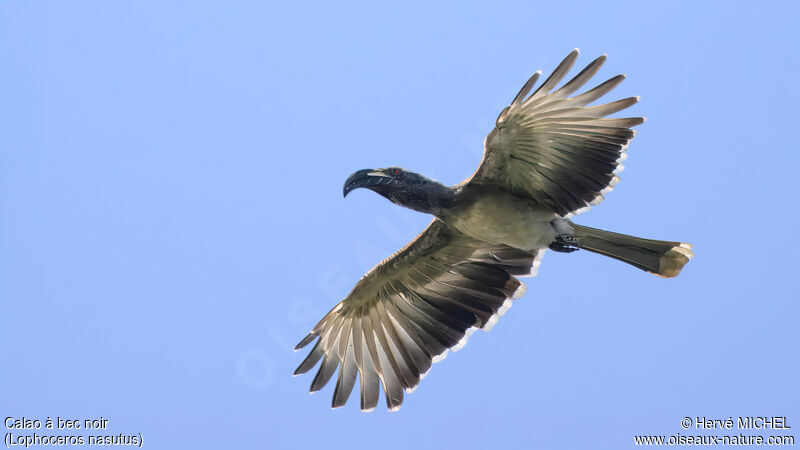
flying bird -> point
(549, 157)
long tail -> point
(662, 258)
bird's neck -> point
(434, 199)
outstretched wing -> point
(553, 148)
(408, 311)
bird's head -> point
(402, 187)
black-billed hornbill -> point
(549, 157)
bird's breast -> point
(501, 218)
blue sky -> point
(171, 220)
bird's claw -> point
(565, 243)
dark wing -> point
(408, 311)
(554, 149)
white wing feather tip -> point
(504, 308)
(440, 356)
(460, 344)
(496, 317)
(517, 294)
(491, 323)
(537, 261)
(578, 211)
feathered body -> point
(489, 214)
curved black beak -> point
(367, 178)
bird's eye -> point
(395, 172)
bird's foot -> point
(565, 243)
(562, 248)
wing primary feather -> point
(325, 372)
(581, 78)
(370, 379)
(331, 359)
(347, 371)
(611, 108)
(392, 387)
(306, 340)
(358, 345)
(344, 338)
(394, 365)
(555, 77)
(372, 347)
(526, 88)
(401, 354)
(370, 385)
(412, 340)
(598, 91)
(311, 360)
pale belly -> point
(505, 219)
